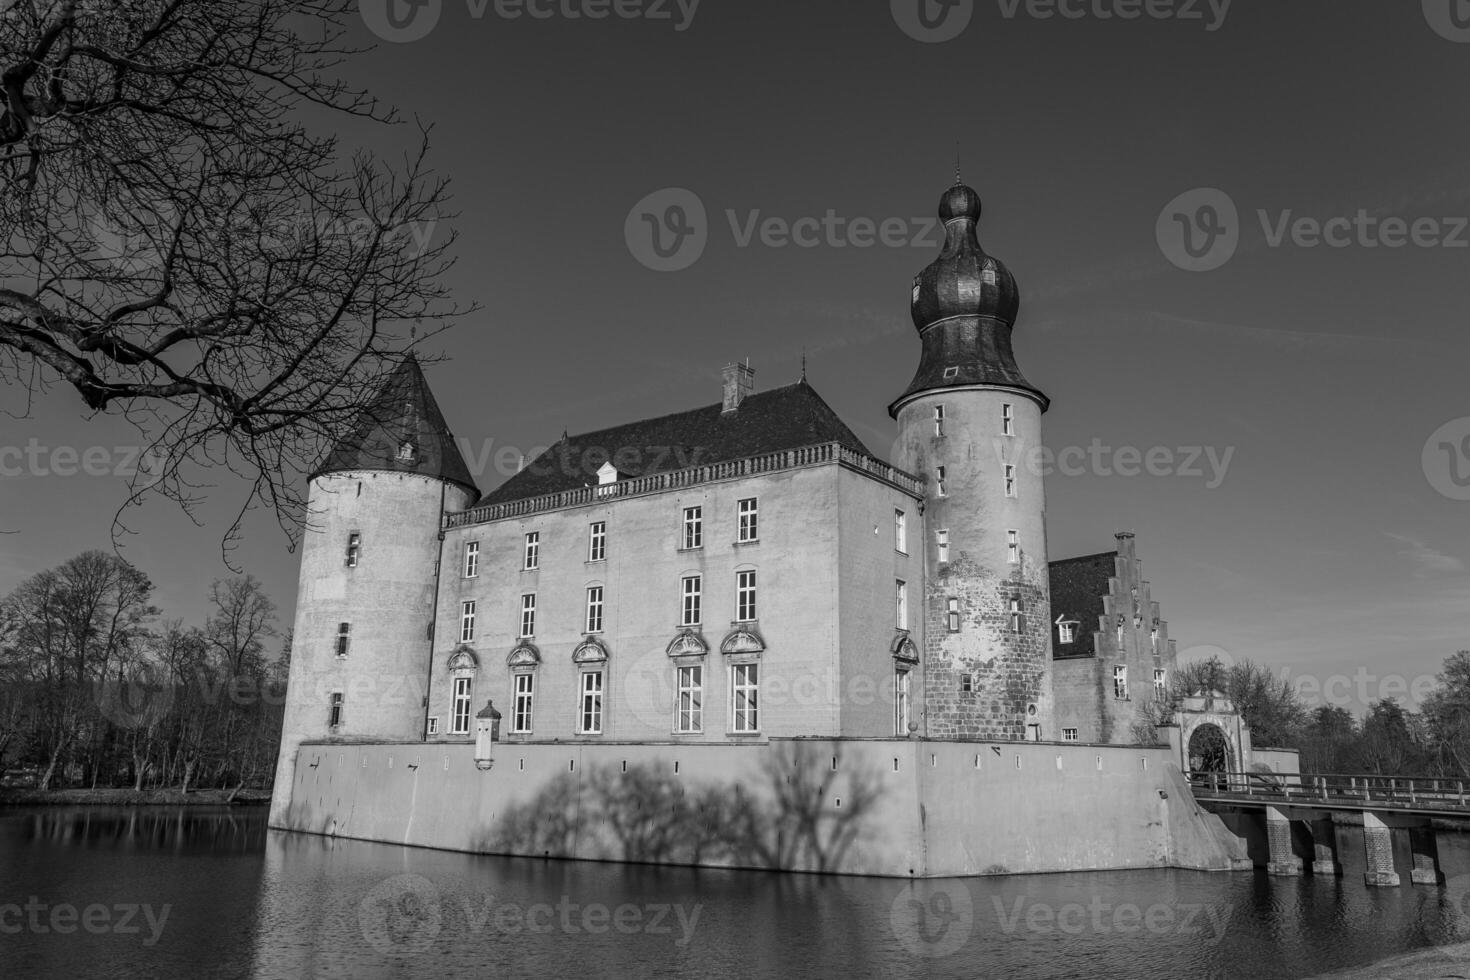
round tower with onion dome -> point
(370, 561)
(970, 424)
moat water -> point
(203, 893)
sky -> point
(1295, 369)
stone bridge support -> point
(1283, 860)
(1426, 857)
(1378, 851)
(1324, 847)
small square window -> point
(951, 372)
(1069, 734)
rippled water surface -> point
(195, 893)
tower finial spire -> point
(957, 178)
(803, 364)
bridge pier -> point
(1378, 852)
(1283, 859)
(1426, 857)
(1324, 847)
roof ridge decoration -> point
(687, 643)
(590, 651)
(743, 639)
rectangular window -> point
(745, 697)
(694, 527)
(354, 548)
(459, 723)
(533, 551)
(749, 521)
(1066, 632)
(1007, 420)
(939, 420)
(597, 541)
(690, 686)
(1018, 615)
(1120, 682)
(1010, 480)
(525, 693)
(941, 540)
(472, 559)
(693, 597)
(900, 532)
(939, 479)
(594, 609)
(952, 615)
(1160, 683)
(334, 716)
(344, 630)
(1013, 547)
(1069, 734)
(467, 621)
(528, 614)
(745, 596)
(1153, 637)
(589, 720)
(901, 604)
(901, 704)
(967, 683)
(433, 728)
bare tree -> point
(179, 246)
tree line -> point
(98, 689)
(1389, 740)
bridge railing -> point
(1335, 787)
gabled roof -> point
(1078, 586)
(765, 422)
(402, 414)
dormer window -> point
(406, 452)
(1066, 630)
(951, 373)
(607, 479)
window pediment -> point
(464, 658)
(590, 651)
(524, 655)
(687, 643)
(904, 648)
(743, 639)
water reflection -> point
(242, 901)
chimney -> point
(739, 382)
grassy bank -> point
(15, 796)
(1426, 964)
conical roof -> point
(402, 430)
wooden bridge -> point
(1303, 811)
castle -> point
(737, 574)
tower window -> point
(460, 716)
(1018, 615)
(467, 621)
(1066, 631)
(693, 598)
(941, 541)
(344, 630)
(952, 615)
(694, 527)
(939, 420)
(1161, 678)
(1013, 547)
(901, 604)
(334, 715)
(900, 532)
(967, 683)
(1120, 682)
(939, 477)
(1008, 420)
(433, 726)
(594, 609)
(745, 596)
(597, 541)
(749, 520)
(1069, 734)
(472, 559)
(528, 615)
(354, 548)
(1153, 636)
(1010, 476)
(532, 553)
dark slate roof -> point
(1077, 589)
(403, 411)
(765, 422)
